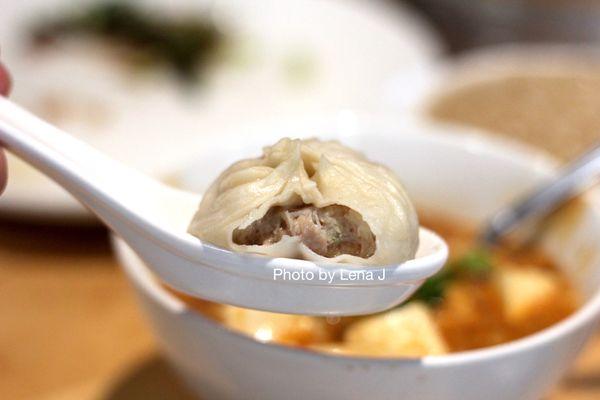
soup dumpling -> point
(310, 199)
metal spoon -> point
(152, 218)
(571, 181)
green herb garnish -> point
(183, 44)
(475, 264)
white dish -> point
(338, 41)
(462, 175)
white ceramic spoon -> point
(152, 218)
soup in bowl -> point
(483, 297)
(503, 325)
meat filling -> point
(328, 231)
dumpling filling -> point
(314, 200)
(328, 231)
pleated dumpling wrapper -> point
(310, 199)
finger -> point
(4, 81)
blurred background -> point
(149, 81)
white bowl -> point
(464, 175)
(483, 64)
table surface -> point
(70, 328)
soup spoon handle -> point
(572, 180)
(110, 189)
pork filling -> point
(328, 231)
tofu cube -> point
(524, 290)
(281, 328)
(409, 331)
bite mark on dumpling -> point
(328, 231)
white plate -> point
(348, 50)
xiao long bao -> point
(310, 199)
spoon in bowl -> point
(152, 219)
(571, 181)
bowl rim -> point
(466, 138)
